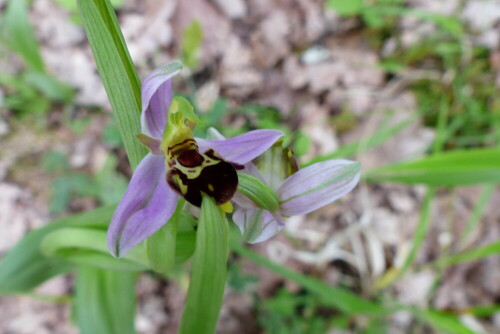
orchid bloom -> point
(176, 165)
(298, 191)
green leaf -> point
(421, 231)
(346, 7)
(184, 246)
(373, 141)
(186, 237)
(192, 37)
(477, 213)
(258, 192)
(419, 237)
(450, 24)
(208, 278)
(117, 71)
(88, 246)
(111, 184)
(64, 187)
(111, 135)
(442, 322)
(483, 310)
(456, 168)
(105, 301)
(19, 35)
(339, 298)
(161, 245)
(492, 249)
(71, 5)
(25, 267)
(55, 162)
(49, 86)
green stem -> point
(161, 245)
(208, 279)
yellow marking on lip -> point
(226, 207)
(210, 187)
(194, 172)
(182, 187)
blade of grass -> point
(492, 249)
(456, 168)
(25, 267)
(483, 311)
(418, 239)
(339, 298)
(117, 71)
(105, 301)
(421, 231)
(442, 322)
(366, 144)
(18, 34)
(477, 213)
(439, 141)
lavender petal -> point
(257, 225)
(317, 185)
(147, 204)
(243, 148)
(156, 94)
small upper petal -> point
(317, 185)
(156, 94)
(257, 225)
(147, 204)
(244, 148)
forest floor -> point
(328, 81)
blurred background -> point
(377, 81)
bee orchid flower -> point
(298, 192)
(176, 165)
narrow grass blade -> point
(492, 249)
(477, 213)
(421, 231)
(18, 34)
(418, 238)
(339, 298)
(105, 301)
(25, 267)
(366, 144)
(442, 322)
(117, 71)
(483, 311)
(208, 278)
(456, 168)
(49, 86)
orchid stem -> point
(208, 278)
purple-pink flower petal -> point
(317, 185)
(257, 225)
(147, 204)
(156, 94)
(243, 148)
